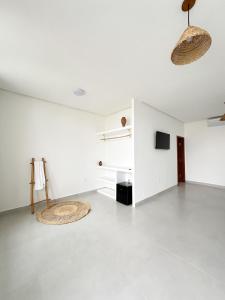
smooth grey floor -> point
(171, 247)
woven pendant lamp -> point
(194, 42)
(222, 118)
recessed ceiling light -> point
(79, 92)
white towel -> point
(39, 175)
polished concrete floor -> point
(171, 247)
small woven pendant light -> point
(222, 118)
(194, 42)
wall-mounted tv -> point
(162, 140)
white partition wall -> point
(154, 170)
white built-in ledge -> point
(106, 179)
(114, 131)
(116, 169)
(108, 192)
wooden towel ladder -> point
(32, 183)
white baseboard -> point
(155, 195)
(206, 184)
(39, 202)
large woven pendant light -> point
(194, 42)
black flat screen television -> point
(162, 140)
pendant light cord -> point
(188, 15)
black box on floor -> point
(124, 193)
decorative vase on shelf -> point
(123, 121)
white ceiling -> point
(115, 50)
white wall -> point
(155, 170)
(65, 137)
(205, 153)
(114, 120)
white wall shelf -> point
(116, 169)
(110, 176)
(114, 131)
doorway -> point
(180, 159)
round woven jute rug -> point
(63, 213)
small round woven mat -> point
(63, 213)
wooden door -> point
(180, 159)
